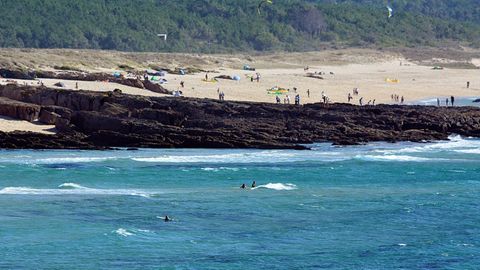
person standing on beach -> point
(76, 85)
(402, 100)
(182, 84)
(438, 102)
(468, 84)
(446, 102)
(360, 101)
(308, 93)
(349, 97)
(452, 100)
(277, 98)
(206, 76)
(288, 99)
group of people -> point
(370, 102)
(243, 186)
(256, 78)
(397, 98)
(325, 98)
(286, 99)
(451, 100)
(221, 94)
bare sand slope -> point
(8, 124)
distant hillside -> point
(231, 25)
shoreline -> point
(95, 120)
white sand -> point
(8, 125)
(415, 83)
(367, 72)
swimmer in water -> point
(254, 184)
(167, 219)
(243, 186)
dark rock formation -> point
(19, 110)
(80, 76)
(154, 87)
(102, 120)
(224, 77)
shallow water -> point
(379, 206)
(459, 101)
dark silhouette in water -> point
(254, 184)
(167, 219)
(243, 186)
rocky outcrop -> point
(102, 120)
(154, 87)
(19, 110)
(81, 76)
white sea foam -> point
(455, 143)
(123, 232)
(70, 185)
(277, 186)
(245, 157)
(55, 160)
(469, 151)
(73, 189)
(210, 169)
(399, 158)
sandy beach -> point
(8, 124)
(415, 82)
(367, 70)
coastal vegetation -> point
(211, 26)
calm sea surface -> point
(379, 206)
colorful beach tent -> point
(277, 91)
(389, 80)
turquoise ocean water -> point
(379, 206)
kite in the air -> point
(390, 12)
(262, 3)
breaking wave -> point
(277, 186)
(73, 189)
(123, 232)
(397, 158)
